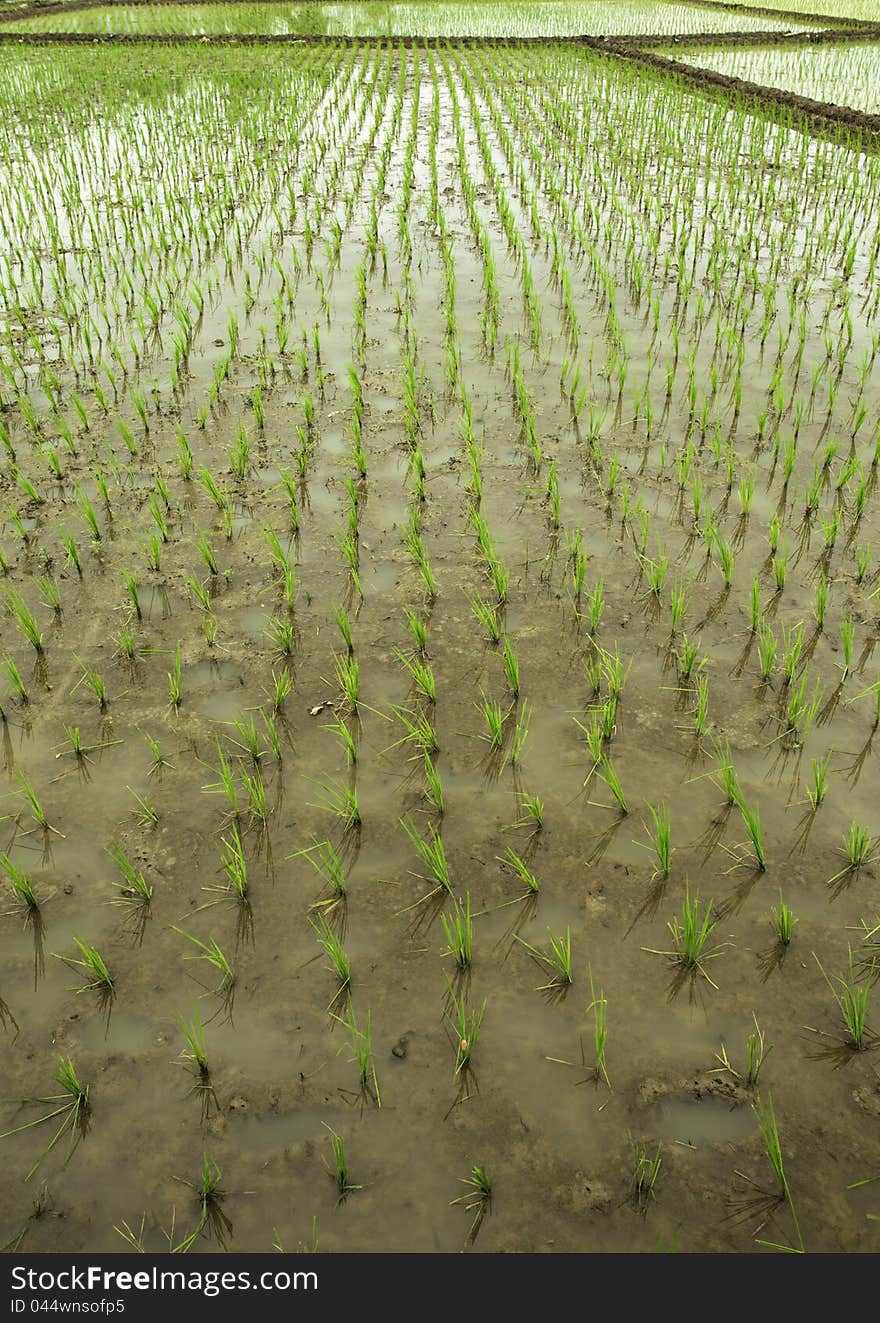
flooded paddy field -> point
(439, 580)
(540, 18)
(840, 75)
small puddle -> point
(702, 1120)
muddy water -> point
(557, 1141)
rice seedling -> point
(515, 864)
(511, 667)
(752, 820)
(466, 1023)
(335, 951)
(458, 929)
(765, 1115)
(605, 770)
(421, 674)
(859, 849)
(361, 1044)
(20, 883)
(250, 741)
(757, 1052)
(72, 1108)
(25, 619)
(347, 740)
(520, 733)
(342, 801)
(281, 632)
(195, 1051)
(690, 933)
(599, 1006)
(557, 958)
(688, 659)
(348, 679)
(90, 960)
(175, 681)
(36, 808)
(419, 630)
(487, 615)
(213, 955)
(95, 682)
(645, 1171)
(340, 1172)
(816, 792)
(134, 889)
(477, 1199)
(234, 864)
(19, 688)
(783, 920)
(852, 1000)
(661, 839)
(431, 853)
(655, 572)
(494, 718)
(678, 603)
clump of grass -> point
(72, 1107)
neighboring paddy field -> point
(438, 688)
(545, 18)
(842, 75)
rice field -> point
(863, 11)
(438, 688)
(841, 75)
(541, 18)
